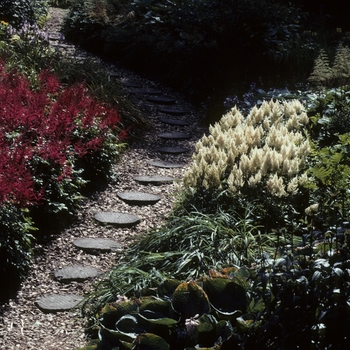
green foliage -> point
(16, 12)
(28, 49)
(302, 291)
(295, 293)
(337, 74)
(15, 247)
(305, 298)
(322, 72)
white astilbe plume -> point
(267, 149)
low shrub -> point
(305, 295)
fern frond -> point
(322, 71)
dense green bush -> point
(306, 297)
(16, 12)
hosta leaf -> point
(112, 312)
(150, 341)
(221, 315)
(225, 295)
(126, 329)
(165, 321)
(167, 287)
(155, 304)
(243, 324)
(126, 345)
(189, 299)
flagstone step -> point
(172, 150)
(165, 164)
(138, 198)
(117, 219)
(58, 302)
(77, 273)
(161, 100)
(173, 111)
(131, 84)
(174, 122)
(96, 245)
(154, 180)
(149, 92)
(55, 36)
(174, 135)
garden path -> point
(63, 265)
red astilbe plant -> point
(47, 136)
(43, 132)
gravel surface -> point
(22, 324)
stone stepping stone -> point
(117, 219)
(173, 111)
(131, 84)
(174, 135)
(154, 180)
(55, 36)
(174, 122)
(161, 100)
(172, 150)
(149, 92)
(58, 302)
(96, 245)
(165, 164)
(78, 273)
(138, 198)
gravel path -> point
(22, 324)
